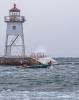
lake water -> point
(59, 82)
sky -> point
(50, 24)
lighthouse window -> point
(14, 27)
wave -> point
(36, 95)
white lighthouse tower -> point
(14, 33)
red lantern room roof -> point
(14, 9)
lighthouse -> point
(14, 45)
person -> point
(49, 62)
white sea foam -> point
(26, 95)
(18, 95)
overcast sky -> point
(51, 24)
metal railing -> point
(14, 18)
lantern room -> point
(14, 15)
(14, 11)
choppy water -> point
(59, 82)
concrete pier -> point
(18, 61)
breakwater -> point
(17, 61)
